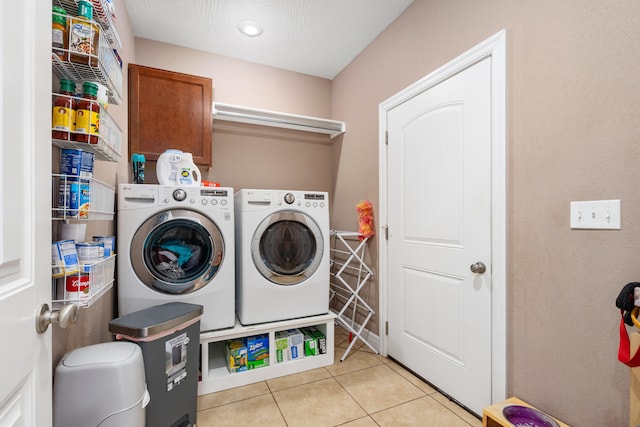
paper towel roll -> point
(74, 232)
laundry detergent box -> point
(319, 336)
(236, 354)
(257, 351)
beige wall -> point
(247, 156)
(572, 108)
(572, 135)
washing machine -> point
(177, 244)
(282, 254)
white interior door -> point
(25, 198)
(442, 152)
(439, 218)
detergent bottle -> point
(188, 173)
(167, 167)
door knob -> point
(65, 317)
(478, 267)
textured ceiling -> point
(317, 37)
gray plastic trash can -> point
(100, 385)
(169, 336)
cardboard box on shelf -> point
(321, 339)
(236, 353)
(282, 347)
(257, 351)
(310, 345)
(294, 345)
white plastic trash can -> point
(100, 385)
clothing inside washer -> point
(178, 254)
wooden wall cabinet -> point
(169, 110)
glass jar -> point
(84, 36)
(64, 112)
(88, 115)
(60, 33)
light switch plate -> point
(596, 214)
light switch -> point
(596, 214)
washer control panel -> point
(215, 197)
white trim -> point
(495, 48)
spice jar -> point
(84, 36)
(64, 112)
(60, 33)
(88, 115)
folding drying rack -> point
(350, 276)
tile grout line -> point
(449, 409)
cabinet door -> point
(169, 110)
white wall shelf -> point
(237, 113)
(216, 375)
(82, 198)
(108, 145)
(107, 68)
(85, 286)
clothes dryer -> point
(282, 254)
(177, 244)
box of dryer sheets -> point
(319, 336)
(257, 351)
(236, 354)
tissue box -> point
(257, 351)
(236, 353)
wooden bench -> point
(492, 415)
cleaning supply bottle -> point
(167, 166)
(137, 162)
(188, 172)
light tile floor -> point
(365, 390)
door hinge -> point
(386, 232)
(386, 328)
(386, 137)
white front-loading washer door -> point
(287, 247)
(177, 251)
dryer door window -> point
(287, 247)
(177, 251)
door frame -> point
(495, 48)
